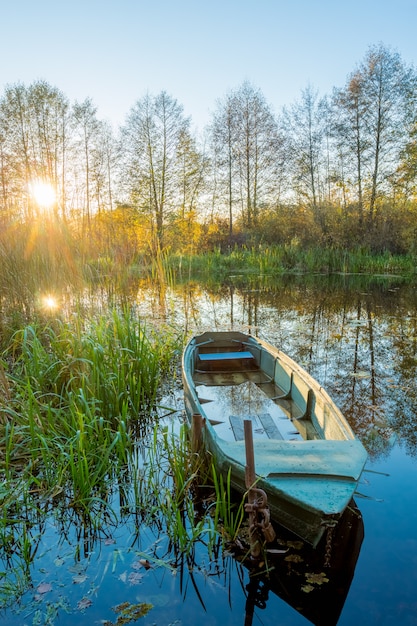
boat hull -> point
(309, 476)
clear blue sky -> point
(115, 51)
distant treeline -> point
(336, 171)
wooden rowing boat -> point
(308, 461)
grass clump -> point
(79, 445)
(75, 394)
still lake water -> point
(358, 337)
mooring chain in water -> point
(329, 537)
(260, 514)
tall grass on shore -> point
(73, 398)
(80, 443)
(75, 393)
(291, 257)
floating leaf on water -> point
(78, 568)
(109, 541)
(131, 612)
(84, 603)
(307, 588)
(135, 578)
(316, 579)
(360, 374)
(59, 562)
(79, 578)
(44, 588)
(294, 558)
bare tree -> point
(373, 114)
(34, 122)
(222, 139)
(86, 126)
(304, 124)
(192, 166)
(248, 152)
(154, 138)
(350, 135)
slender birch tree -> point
(154, 141)
(248, 149)
(375, 111)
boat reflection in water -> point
(314, 581)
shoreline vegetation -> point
(85, 447)
(25, 274)
(280, 260)
(79, 397)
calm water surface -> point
(358, 337)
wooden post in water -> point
(250, 479)
(197, 432)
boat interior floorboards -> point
(231, 397)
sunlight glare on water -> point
(49, 302)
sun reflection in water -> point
(49, 303)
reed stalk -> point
(227, 516)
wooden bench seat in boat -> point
(222, 356)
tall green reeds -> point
(168, 481)
(73, 395)
(291, 257)
(228, 516)
(76, 392)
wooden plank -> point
(221, 356)
(267, 423)
(236, 423)
(269, 426)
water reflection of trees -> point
(356, 335)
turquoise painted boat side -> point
(321, 476)
(309, 483)
(331, 459)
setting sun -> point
(43, 193)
